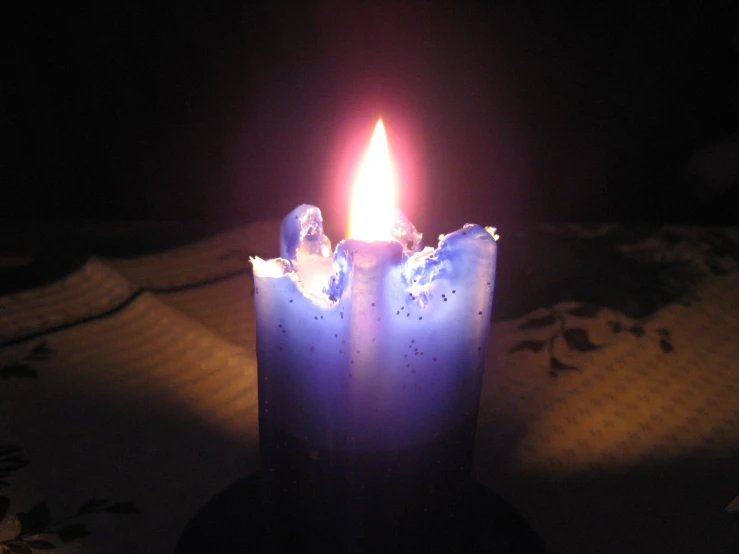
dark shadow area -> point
(669, 504)
(539, 269)
(242, 518)
(118, 441)
(499, 114)
(124, 239)
(47, 266)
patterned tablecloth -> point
(609, 414)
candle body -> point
(372, 384)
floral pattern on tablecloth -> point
(565, 295)
(579, 287)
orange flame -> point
(373, 196)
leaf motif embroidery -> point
(17, 547)
(530, 345)
(41, 545)
(4, 505)
(666, 346)
(18, 371)
(556, 365)
(72, 532)
(35, 520)
(538, 322)
(585, 310)
(123, 508)
(717, 269)
(92, 505)
(41, 351)
(578, 339)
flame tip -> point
(373, 195)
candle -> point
(370, 358)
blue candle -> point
(371, 357)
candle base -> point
(374, 488)
(246, 518)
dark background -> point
(529, 110)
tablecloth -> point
(609, 414)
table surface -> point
(608, 416)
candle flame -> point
(373, 196)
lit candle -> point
(371, 357)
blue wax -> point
(378, 347)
